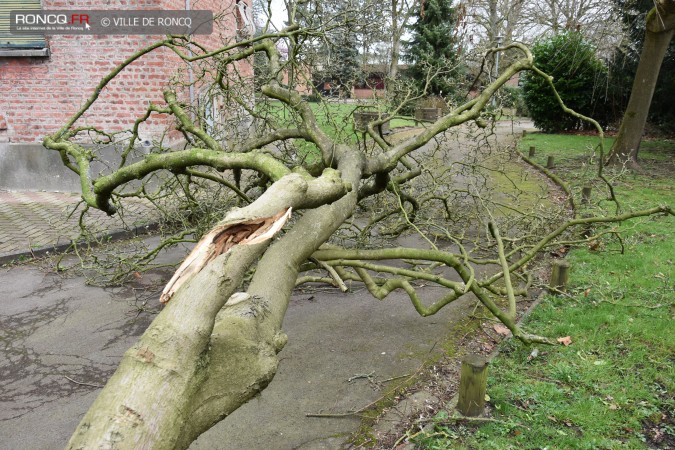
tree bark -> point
(209, 351)
(659, 32)
(395, 42)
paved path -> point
(37, 222)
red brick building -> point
(44, 81)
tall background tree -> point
(434, 48)
(400, 14)
(332, 56)
(651, 33)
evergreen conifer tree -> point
(434, 47)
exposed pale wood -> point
(220, 240)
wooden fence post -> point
(560, 272)
(549, 163)
(472, 385)
(586, 195)
(532, 150)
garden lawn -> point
(335, 119)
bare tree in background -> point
(491, 18)
(521, 21)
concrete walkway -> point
(34, 223)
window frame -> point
(20, 45)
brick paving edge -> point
(114, 235)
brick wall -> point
(367, 93)
(38, 95)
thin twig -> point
(361, 410)
(363, 375)
(395, 378)
(468, 419)
(82, 384)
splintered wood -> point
(220, 240)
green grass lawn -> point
(613, 386)
(335, 119)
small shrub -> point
(578, 76)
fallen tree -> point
(214, 345)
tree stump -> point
(472, 385)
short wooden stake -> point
(586, 195)
(560, 272)
(532, 150)
(549, 163)
(524, 133)
(472, 385)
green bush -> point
(578, 76)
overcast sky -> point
(279, 14)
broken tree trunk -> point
(201, 358)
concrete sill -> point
(24, 52)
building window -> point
(20, 44)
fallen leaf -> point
(567, 340)
(138, 275)
(613, 407)
(586, 292)
(501, 329)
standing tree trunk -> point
(395, 42)
(659, 32)
(401, 12)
